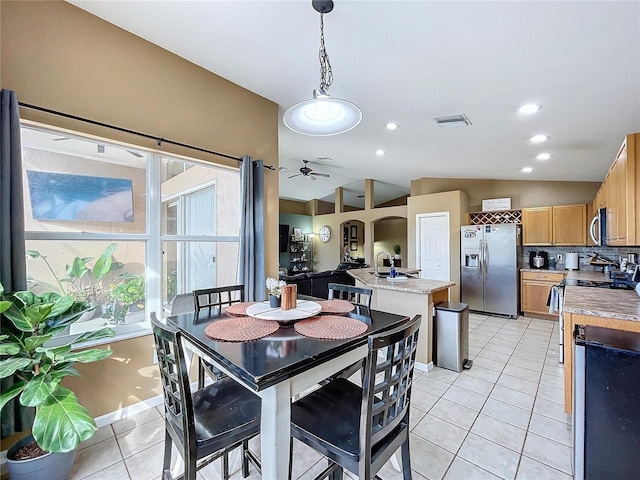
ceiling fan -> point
(305, 171)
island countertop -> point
(602, 302)
(410, 285)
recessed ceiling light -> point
(529, 108)
(360, 196)
(539, 138)
(544, 156)
(527, 170)
(391, 126)
(380, 152)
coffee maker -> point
(538, 259)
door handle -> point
(486, 257)
(592, 230)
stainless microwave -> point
(598, 228)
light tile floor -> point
(503, 418)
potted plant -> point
(40, 365)
(274, 288)
(86, 281)
(127, 296)
(396, 250)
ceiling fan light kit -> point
(322, 115)
(305, 171)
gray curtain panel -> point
(13, 271)
(251, 268)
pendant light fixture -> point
(323, 115)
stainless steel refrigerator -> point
(490, 255)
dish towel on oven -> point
(554, 299)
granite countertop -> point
(591, 275)
(602, 302)
(410, 285)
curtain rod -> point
(159, 140)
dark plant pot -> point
(52, 466)
(274, 301)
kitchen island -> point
(406, 296)
(602, 307)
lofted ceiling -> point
(410, 61)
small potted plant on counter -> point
(274, 288)
(40, 362)
(396, 251)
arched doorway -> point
(353, 238)
(390, 235)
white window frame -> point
(153, 238)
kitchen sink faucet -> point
(375, 264)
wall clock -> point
(325, 234)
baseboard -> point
(424, 368)
(129, 411)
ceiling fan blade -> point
(296, 175)
(321, 174)
(310, 177)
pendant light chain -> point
(326, 75)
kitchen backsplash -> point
(584, 254)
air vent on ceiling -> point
(450, 121)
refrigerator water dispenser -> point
(472, 257)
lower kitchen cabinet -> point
(534, 291)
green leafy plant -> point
(84, 281)
(60, 423)
(129, 292)
(396, 249)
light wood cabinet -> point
(537, 226)
(620, 195)
(570, 225)
(558, 225)
(534, 291)
(601, 198)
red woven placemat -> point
(336, 306)
(240, 329)
(238, 308)
(330, 327)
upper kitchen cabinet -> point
(558, 225)
(601, 198)
(537, 226)
(570, 225)
(622, 191)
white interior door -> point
(433, 245)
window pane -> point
(200, 199)
(78, 185)
(118, 292)
(192, 265)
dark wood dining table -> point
(277, 368)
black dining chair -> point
(182, 303)
(206, 424)
(211, 299)
(360, 428)
(360, 297)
